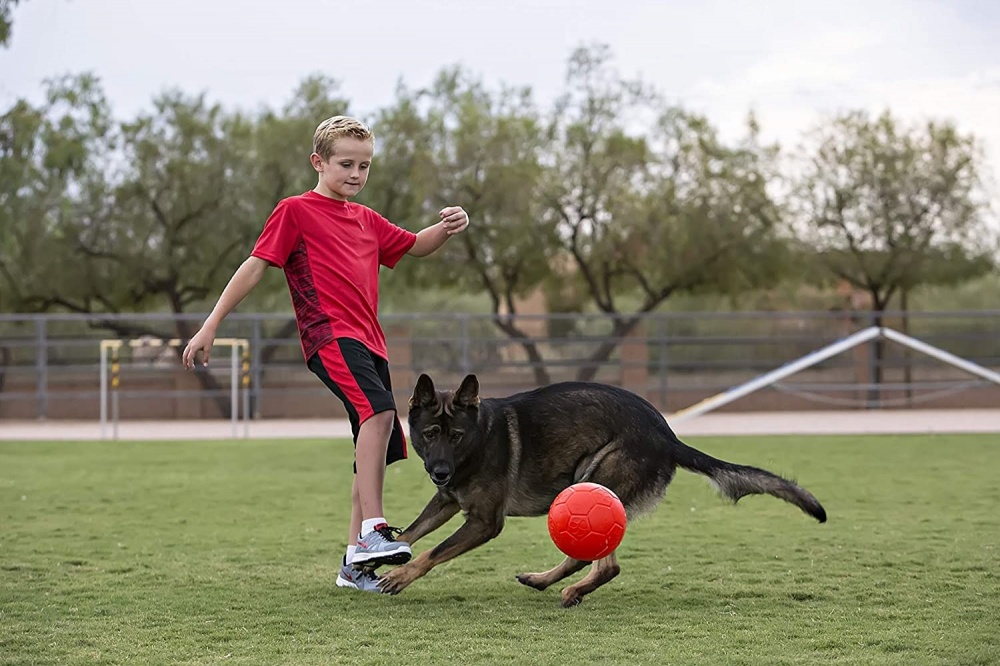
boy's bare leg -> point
(373, 440)
(352, 537)
(377, 546)
(349, 577)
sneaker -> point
(380, 547)
(357, 579)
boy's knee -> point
(381, 421)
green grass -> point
(226, 552)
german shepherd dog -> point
(500, 457)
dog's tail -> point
(736, 481)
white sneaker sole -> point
(401, 555)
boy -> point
(331, 250)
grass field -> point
(195, 553)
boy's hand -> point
(201, 342)
(455, 219)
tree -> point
(50, 157)
(153, 228)
(653, 215)
(888, 207)
(461, 143)
(154, 213)
(282, 142)
(163, 207)
(402, 178)
(279, 167)
(108, 217)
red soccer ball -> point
(587, 521)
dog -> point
(496, 457)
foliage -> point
(154, 213)
(481, 149)
(51, 181)
(6, 20)
(888, 207)
(670, 211)
(612, 200)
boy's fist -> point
(455, 219)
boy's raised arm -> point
(453, 220)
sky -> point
(793, 62)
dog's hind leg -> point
(540, 581)
(601, 572)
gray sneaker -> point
(380, 547)
(357, 579)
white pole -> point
(234, 389)
(246, 413)
(104, 391)
(941, 355)
(737, 392)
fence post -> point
(42, 367)
(256, 372)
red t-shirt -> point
(331, 251)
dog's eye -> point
(457, 435)
(431, 433)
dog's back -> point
(570, 432)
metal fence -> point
(49, 364)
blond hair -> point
(338, 127)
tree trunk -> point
(603, 352)
(208, 381)
(877, 359)
(4, 362)
(530, 347)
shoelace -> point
(389, 533)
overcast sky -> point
(789, 60)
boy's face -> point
(346, 172)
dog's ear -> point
(424, 394)
(467, 394)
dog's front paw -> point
(398, 579)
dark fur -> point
(500, 457)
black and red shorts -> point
(361, 380)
